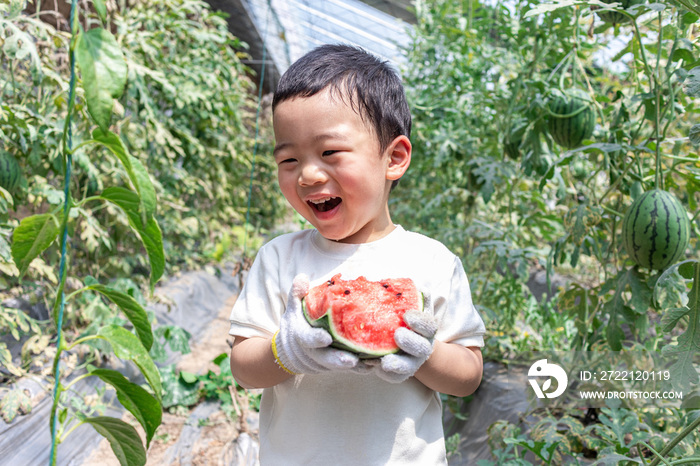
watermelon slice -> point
(362, 315)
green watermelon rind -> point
(570, 132)
(10, 172)
(514, 138)
(340, 342)
(615, 17)
(656, 230)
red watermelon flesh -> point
(362, 315)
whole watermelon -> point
(571, 117)
(10, 173)
(614, 17)
(656, 230)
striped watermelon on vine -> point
(10, 172)
(615, 17)
(571, 117)
(656, 230)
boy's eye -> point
(287, 161)
(329, 152)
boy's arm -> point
(452, 369)
(253, 365)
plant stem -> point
(656, 453)
(575, 48)
(73, 427)
(80, 341)
(682, 159)
(76, 380)
(611, 211)
(492, 269)
(658, 181)
(617, 181)
(685, 432)
(67, 141)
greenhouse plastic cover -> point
(290, 28)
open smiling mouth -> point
(324, 205)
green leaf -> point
(101, 9)
(177, 338)
(223, 358)
(683, 371)
(123, 438)
(641, 294)
(20, 45)
(683, 54)
(690, 18)
(176, 390)
(614, 459)
(543, 449)
(133, 311)
(188, 377)
(614, 335)
(671, 317)
(14, 402)
(145, 408)
(33, 235)
(694, 135)
(135, 170)
(547, 7)
(687, 269)
(151, 236)
(6, 361)
(104, 72)
(658, 7)
(127, 346)
(692, 82)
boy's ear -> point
(399, 157)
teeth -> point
(321, 201)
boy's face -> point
(330, 168)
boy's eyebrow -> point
(279, 147)
(330, 135)
(318, 138)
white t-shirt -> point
(344, 418)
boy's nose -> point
(311, 174)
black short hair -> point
(372, 86)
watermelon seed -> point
(398, 294)
(347, 291)
(385, 285)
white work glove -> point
(416, 342)
(300, 348)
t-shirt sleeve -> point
(459, 321)
(261, 302)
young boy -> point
(342, 128)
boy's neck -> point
(369, 235)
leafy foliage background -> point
(187, 114)
(476, 71)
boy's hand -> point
(300, 348)
(416, 342)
